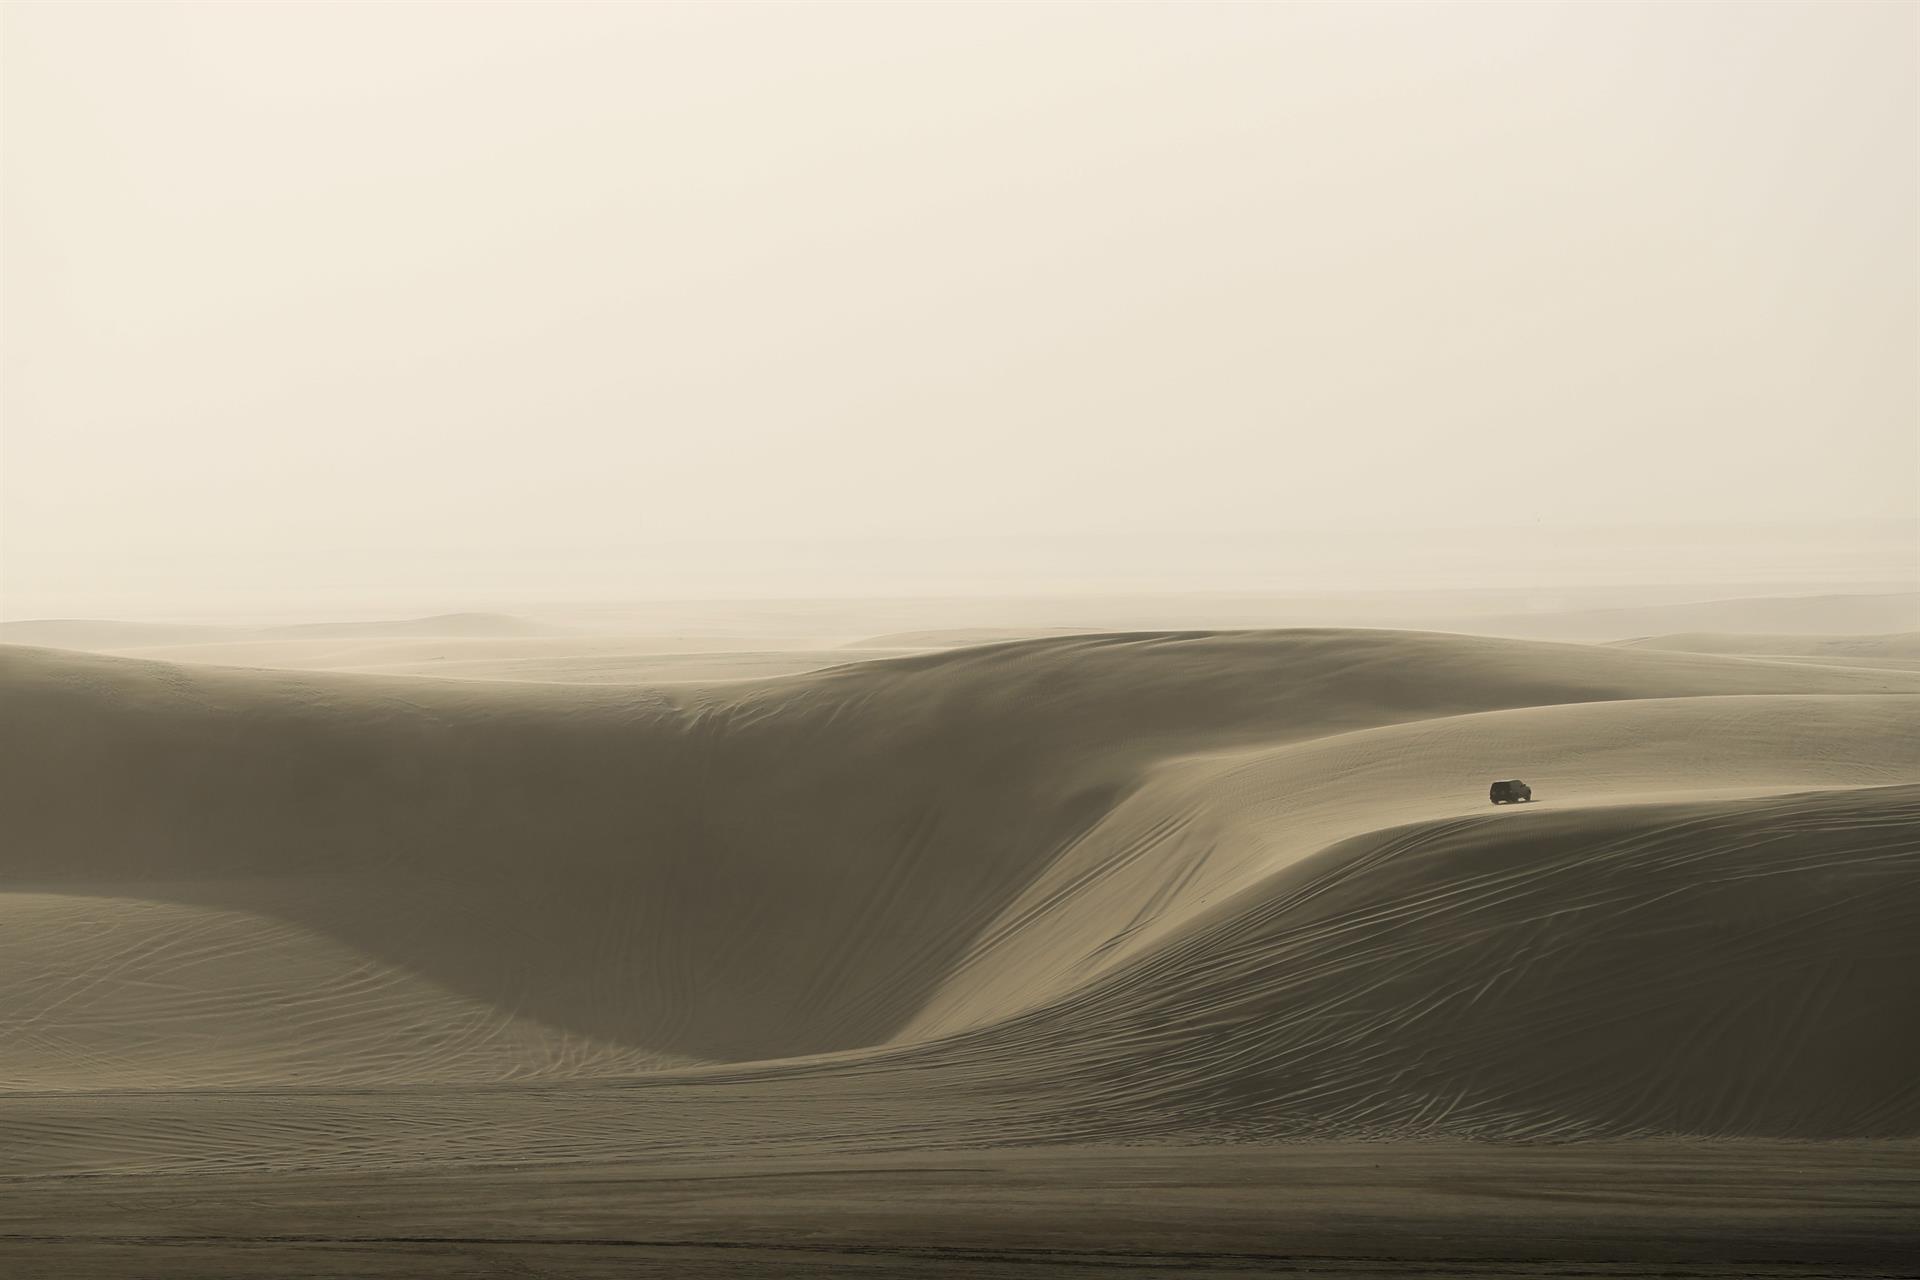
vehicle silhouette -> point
(1512, 791)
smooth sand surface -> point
(1239, 888)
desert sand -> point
(854, 948)
(828, 638)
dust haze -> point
(1013, 640)
(413, 306)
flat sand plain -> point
(1181, 951)
(1694, 1210)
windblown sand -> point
(1166, 888)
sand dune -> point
(1031, 868)
(97, 634)
(1742, 967)
(713, 641)
(568, 660)
(965, 637)
(1896, 644)
(127, 992)
(1899, 649)
(1197, 832)
(457, 647)
(105, 634)
(1854, 614)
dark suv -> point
(1513, 791)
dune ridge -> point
(1083, 868)
(1740, 968)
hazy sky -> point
(476, 300)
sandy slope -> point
(1165, 883)
(1735, 967)
(105, 992)
(1199, 831)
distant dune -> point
(540, 659)
(103, 634)
(1762, 615)
(1899, 648)
(450, 646)
(107, 634)
(464, 625)
(700, 642)
(1147, 883)
(961, 637)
